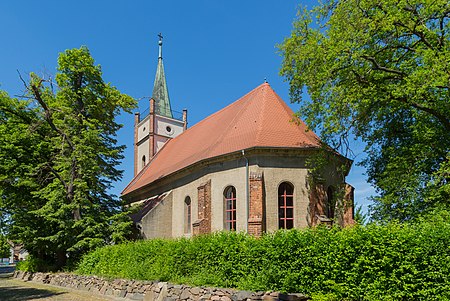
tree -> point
(58, 158)
(380, 70)
(360, 216)
(4, 247)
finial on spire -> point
(265, 80)
(160, 92)
(160, 45)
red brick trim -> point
(317, 199)
(203, 224)
(151, 138)
(257, 202)
(136, 122)
(349, 198)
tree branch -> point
(377, 66)
(417, 33)
(57, 175)
(48, 114)
(442, 118)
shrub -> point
(32, 264)
(373, 262)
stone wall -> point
(150, 290)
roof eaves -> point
(210, 159)
(142, 172)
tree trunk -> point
(61, 259)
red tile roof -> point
(258, 119)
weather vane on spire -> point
(160, 45)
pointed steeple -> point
(160, 92)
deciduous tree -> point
(58, 158)
(380, 69)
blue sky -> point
(214, 52)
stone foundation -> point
(150, 290)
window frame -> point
(187, 215)
(330, 203)
(283, 199)
(229, 197)
(143, 161)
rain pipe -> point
(246, 189)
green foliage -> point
(360, 216)
(379, 70)
(58, 158)
(32, 264)
(373, 262)
(4, 247)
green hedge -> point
(32, 264)
(374, 262)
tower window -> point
(187, 215)
(168, 129)
(229, 196)
(285, 206)
(143, 161)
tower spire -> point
(160, 92)
(160, 45)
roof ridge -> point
(226, 107)
(261, 113)
(298, 121)
(235, 117)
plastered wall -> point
(158, 223)
(275, 169)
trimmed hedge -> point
(374, 262)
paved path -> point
(18, 290)
(6, 270)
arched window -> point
(187, 215)
(330, 204)
(143, 161)
(229, 196)
(285, 206)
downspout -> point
(247, 197)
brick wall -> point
(256, 210)
(203, 224)
(151, 147)
(343, 210)
(317, 199)
(136, 159)
(349, 196)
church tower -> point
(153, 130)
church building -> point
(247, 167)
